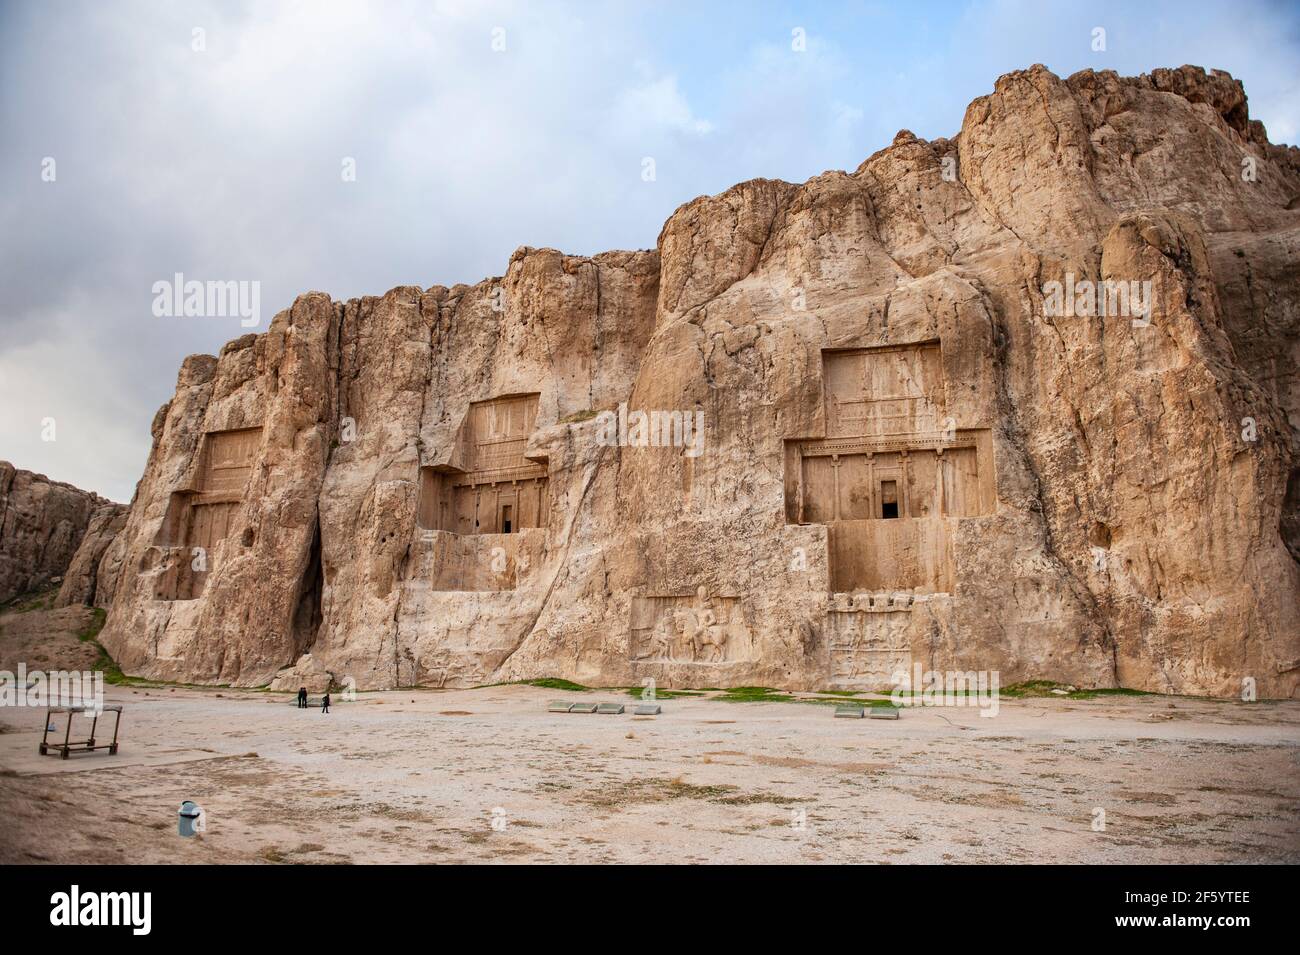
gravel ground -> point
(488, 775)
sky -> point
(354, 147)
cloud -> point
(659, 103)
(473, 128)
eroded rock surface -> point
(85, 582)
(910, 452)
(43, 524)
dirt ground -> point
(488, 775)
(45, 639)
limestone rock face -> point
(42, 525)
(1025, 401)
(83, 582)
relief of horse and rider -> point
(683, 629)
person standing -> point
(302, 698)
(325, 702)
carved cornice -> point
(920, 441)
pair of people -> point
(302, 700)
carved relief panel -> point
(868, 647)
(697, 628)
(884, 391)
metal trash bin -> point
(190, 816)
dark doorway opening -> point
(888, 499)
(507, 518)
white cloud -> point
(225, 164)
(659, 103)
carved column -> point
(904, 475)
(871, 484)
(940, 465)
(801, 491)
(835, 470)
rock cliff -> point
(1023, 400)
(43, 525)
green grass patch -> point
(660, 693)
(105, 664)
(546, 683)
(91, 630)
(113, 674)
(1032, 689)
(754, 694)
(42, 598)
(554, 683)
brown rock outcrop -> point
(85, 582)
(1025, 400)
(42, 525)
